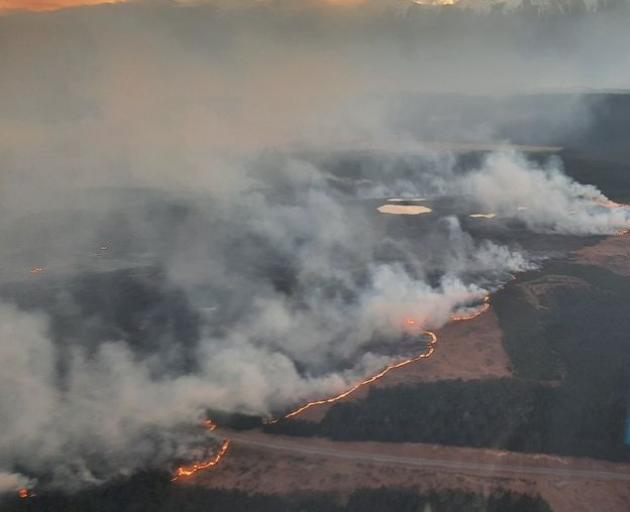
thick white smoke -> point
(543, 197)
(262, 346)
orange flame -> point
(608, 203)
(428, 353)
(24, 493)
(458, 317)
(188, 471)
(209, 425)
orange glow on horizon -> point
(49, 5)
(54, 5)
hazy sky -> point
(47, 5)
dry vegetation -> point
(466, 350)
(611, 253)
(254, 469)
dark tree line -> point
(507, 414)
(155, 492)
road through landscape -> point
(470, 466)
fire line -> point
(424, 355)
(188, 471)
(215, 460)
(485, 306)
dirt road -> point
(550, 466)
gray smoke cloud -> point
(175, 172)
(290, 294)
(542, 197)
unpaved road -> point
(304, 447)
(270, 464)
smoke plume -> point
(543, 197)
